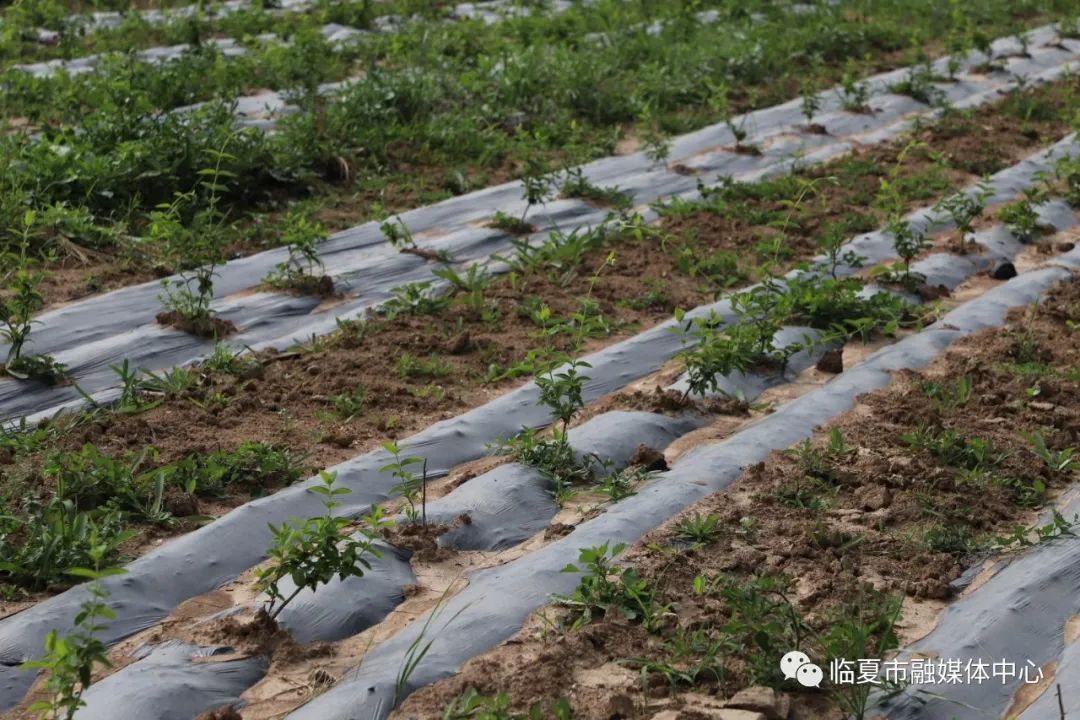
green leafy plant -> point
(963, 209)
(302, 271)
(918, 84)
(855, 95)
(471, 705)
(698, 529)
(17, 307)
(412, 487)
(397, 233)
(348, 404)
(538, 185)
(1021, 219)
(1056, 460)
(311, 553)
(909, 243)
(70, 660)
(605, 588)
(39, 554)
(194, 228)
(576, 185)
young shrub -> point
(577, 185)
(854, 95)
(908, 243)
(509, 223)
(605, 588)
(303, 271)
(1021, 219)
(198, 245)
(411, 487)
(70, 660)
(538, 186)
(17, 307)
(963, 209)
(311, 553)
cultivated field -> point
(532, 359)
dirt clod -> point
(1004, 271)
(832, 361)
(765, 700)
(649, 458)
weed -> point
(313, 552)
(760, 620)
(1028, 493)
(1025, 537)
(472, 705)
(606, 588)
(39, 554)
(415, 298)
(954, 449)
(698, 529)
(91, 479)
(1059, 461)
(950, 538)
(348, 404)
(511, 224)
(948, 395)
(862, 627)
(252, 465)
(410, 366)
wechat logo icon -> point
(797, 666)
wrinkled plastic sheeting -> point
(496, 510)
(498, 600)
(172, 681)
(1019, 615)
(616, 435)
(91, 335)
(510, 503)
(343, 608)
